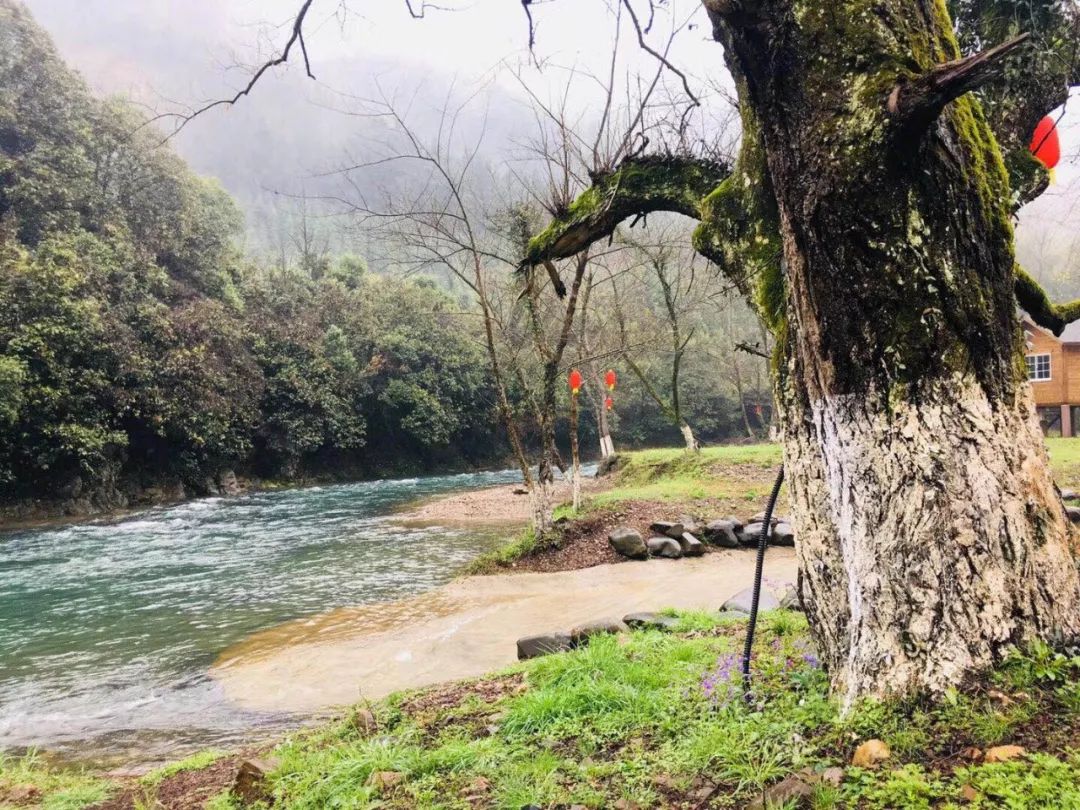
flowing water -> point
(107, 628)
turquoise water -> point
(107, 628)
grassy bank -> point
(657, 719)
(651, 719)
(716, 482)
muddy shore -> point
(464, 629)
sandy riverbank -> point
(506, 505)
(464, 629)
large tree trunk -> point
(931, 536)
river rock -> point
(1004, 753)
(721, 533)
(691, 524)
(751, 534)
(790, 600)
(789, 792)
(870, 754)
(653, 621)
(672, 530)
(628, 542)
(1074, 513)
(782, 535)
(743, 600)
(544, 644)
(691, 546)
(760, 518)
(665, 547)
(1069, 495)
(363, 721)
(230, 485)
(583, 632)
(251, 783)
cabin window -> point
(1038, 366)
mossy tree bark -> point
(869, 217)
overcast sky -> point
(189, 51)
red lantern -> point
(609, 403)
(575, 382)
(609, 378)
(1045, 144)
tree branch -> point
(297, 36)
(638, 186)
(659, 56)
(919, 101)
(746, 348)
(1037, 304)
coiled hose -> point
(763, 541)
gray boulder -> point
(691, 524)
(628, 543)
(782, 535)
(691, 546)
(545, 644)
(741, 602)
(790, 600)
(760, 518)
(1074, 513)
(583, 632)
(721, 533)
(672, 530)
(653, 621)
(751, 533)
(665, 547)
(1069, 495)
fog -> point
(171, 55)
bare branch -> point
(743, 346)
(919, 101)
(695, 102)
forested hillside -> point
(137, 346)
(143, 353)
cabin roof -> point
(1071, 335)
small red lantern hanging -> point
(575, 382)
(1045, 144)
(609, 378)
(609, 403)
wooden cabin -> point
(1054, 371)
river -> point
(107, 628)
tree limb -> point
(919, 101)
(1037, 304)
(556, 279)
(746, 348)
(638, 186)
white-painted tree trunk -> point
(540, 498)
(692, 445)
(607, 447)
(931, 537)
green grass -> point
(657, 717)
(604, 722)
(60, 789)
(195, 762)
(729, 471)
(1065, 461)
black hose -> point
(763, 541)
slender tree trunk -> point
(575, 460)
(932, 539)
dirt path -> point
(464, 629)
(490, 506)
